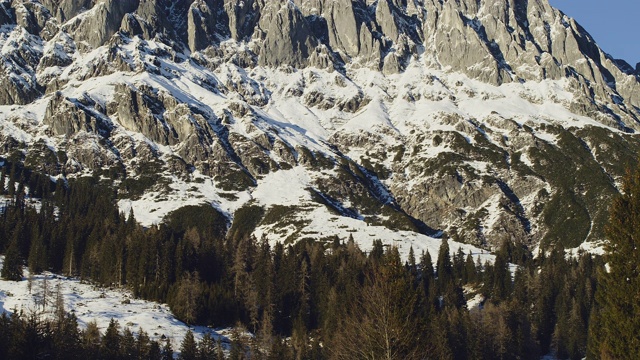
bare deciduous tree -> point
(383, 324)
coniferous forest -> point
(311, 300)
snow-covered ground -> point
(289, 188)
(91, 303)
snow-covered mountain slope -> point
(395, 120)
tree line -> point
(35, 336)
(312, 299)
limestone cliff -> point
(482, 120)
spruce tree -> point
(167, 350)
(128, 348)
(12, 266)
(110, 347)
(219, 350)
(143, 345)
(458, 265)
(426, 264)
(188, 348)
(91, 340)
(619, 292)
(444, 267)
(3, 180)
(469, 270)
(207, 348)
(412, 267)
(5, 335)
(37, 260)
(155, 353)
(11, 186)
(238, 349)
(501, 275)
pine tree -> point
(411, 265)
(11, 186)
(155, 353)
(501, 275)
(12, 266)
(143, 345)
(128, 348)
(186, 303)
(520, 286)
(458, 265)
(3, 180)
(5, 335)
(238, 349)
(207, 348)
(469, 270)
(219, 350)
(444, 267)
(577, 337)
(66, 335)
(37, 260)
(426, 264)
(111, 341)
(619, 294)
(70, 263)
(188, 348)
(377, 252)
(91, 340)
(167, 350)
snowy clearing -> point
(92, 303)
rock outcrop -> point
(65, 10)
(201, 25)
(96, 26)
(343, 29)
(288, 39)
(67, 117)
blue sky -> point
(615, 24)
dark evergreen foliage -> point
(305, 300)
(12, 266)
(616, 334)
(189, 347)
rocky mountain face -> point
(485, 120)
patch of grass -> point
(234, 180)
(134, 188)
(228, 196)
(245, 221)
(278, 213)
(568, 220)
(397, 220)
(205, 218)
(583, 186)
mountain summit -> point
(391, 119)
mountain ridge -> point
(489, 121)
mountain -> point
(395, 119)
